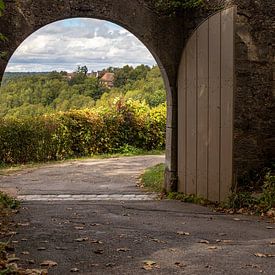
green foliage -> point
(172, 6)
(267, 198)
(26, 94)
(187, 198)
(240, 200)
(153, 178)
(82, 133)
(260, 202)
(8, 202)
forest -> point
(32, 94)
(57, 115)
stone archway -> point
(253, 122)
(22, 18)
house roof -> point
(108, 77)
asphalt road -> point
(134, 236)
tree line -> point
(34, 94)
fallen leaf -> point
(95, 224)
(41, 248)
(236, 219)
(227, 241)
(36, 272)
(149, 265)
(49, 263)
(99, 251)
(60, 248)
(110, 264)
(13, 259)
(262, 255)
(74, 269)
(96, 241)
(158, 241)
(212, 247)
(149, 262)
(79, 227)
(204, 241)
(183, 233)
(269, 227)
(124, 249)
(25, 253)
(23, 224)
(82, 239)
(179, 264)
(31, 261)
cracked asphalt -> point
(134, 236)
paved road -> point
(139, 237)
(89, 177)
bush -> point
(7, 202)
(82, 133)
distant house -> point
(108, 80)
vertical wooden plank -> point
(191, 122)
(203, 108)
(214, 108)
(182, 124)
(227, 87)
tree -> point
(82, 70)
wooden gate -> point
(205, 109)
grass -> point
(126, 151)
(153, 178)
(249, 201)
(7, 202)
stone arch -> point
(165, 37)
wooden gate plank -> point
(203, 109)
(191, 135)
(214, 108)
(227, 83)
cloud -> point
(64, 45)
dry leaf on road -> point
(48, 263)
(204, 241)
(74, 269)
(183, 233)
(263, 255)
(82, 239)
(124, 249)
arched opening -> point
(50, 83)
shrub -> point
(82, 133)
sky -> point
(63, 45)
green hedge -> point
(82, 133)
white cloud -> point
(65, 44)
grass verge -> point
(153, 178)
(262, 202)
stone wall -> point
(254, 131)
